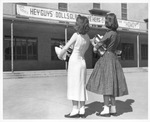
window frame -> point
(19, 57)
(144, 56)
(127, 51)
(96, 5)
(63, 6)
(124, 11)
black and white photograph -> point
(74, 60)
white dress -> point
(77, 69)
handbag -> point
(58, 50)
(67, 55)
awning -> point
(98, 12)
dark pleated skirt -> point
(107, 77)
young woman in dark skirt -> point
(107, 77)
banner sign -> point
(128, 24)
(29, 11)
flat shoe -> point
(73, 116)
(113, 114)
(104, 115)
(82, 115)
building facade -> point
(31, 30)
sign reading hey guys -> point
(29, 11)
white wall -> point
(80, 7)
(45, 5)
(137, 11)
(112, 7)
(8, 9)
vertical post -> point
(66, 64)
(138, 51)
(12, 53)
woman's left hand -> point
(94, 50)
(93, 41)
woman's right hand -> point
(93, 42)
(94, 50)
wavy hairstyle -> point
(82, 25)
(111, 21)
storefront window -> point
(32, 49)
(55, 42)
(7, 50)
(18, 53)
(23, 49)
(144, 51)
(127, 51)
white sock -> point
(74, 111)
(82, 110)
(113, 109)
(105, 110)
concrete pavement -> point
(45, 98)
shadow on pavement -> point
(121, 106)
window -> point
(127, 51)
(96, 5)
(7, 50)
(144, 51)
(62, 7)
(23, 48)
(55, 42)
(32, 49)
(124, 11)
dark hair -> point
(111, 21)
(82, 24)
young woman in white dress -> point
(76, 79)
